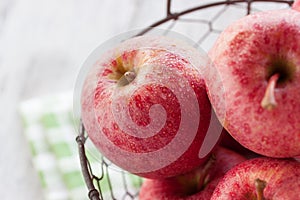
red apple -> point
(258, 59)
(145, 107)
(197, 184)
(229, 142)
(296, 5)
(261, 179)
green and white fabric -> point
(50, 130)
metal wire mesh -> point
(209, 19)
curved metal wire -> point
(85, 166)
(175, 16)
(92, 181)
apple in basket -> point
(144, 106)
(296, 5)
(230, 143)
(198, 184)
(261, 179)
(258, 59)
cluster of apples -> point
(221, 127)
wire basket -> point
(208, 18)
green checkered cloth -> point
(49, 128)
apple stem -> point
(260, 186)
(130, 76)
(269, 102)
(203, 177)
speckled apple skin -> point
(242, 55)
(229, 142)
(296, 5)
(282, 177)
(155, 57)
(171, 189)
